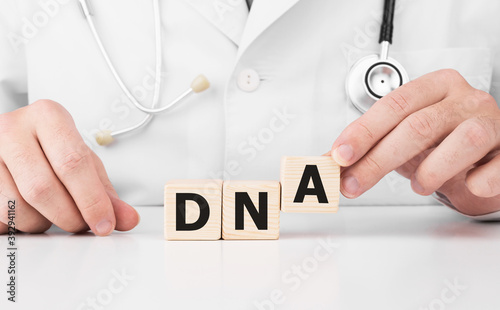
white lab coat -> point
(300, 51)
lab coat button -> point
(248, 80)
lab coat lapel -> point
(262, 15)
(228, 16)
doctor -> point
(277, 74)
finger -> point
(4, 229)
(464, 200)
(126, 216)
(409, 168)
(361, 135)
(72, 162)
(27, 219)
(36, 182)
(415, 134)
(455, 189)
(484, 181)
(465, 146)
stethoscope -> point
(374, 76)
(368, 80)
(199, 84)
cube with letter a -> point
(193, 209)
(251, 210)
(310, 184)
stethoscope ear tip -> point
(200, 83)
(104, 137)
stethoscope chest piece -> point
(374, 76)
(371, 78)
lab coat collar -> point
(231, 17)
(262, 15)
(227, 16)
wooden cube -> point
(193, 209)
(251, 210)
(310, 184)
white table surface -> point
(360, 258)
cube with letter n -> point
(193, 209)
(310, 184)
(251, 210)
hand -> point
(439, 132)
(54, 177)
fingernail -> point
(343, 154)
(104, 227)
(417, 188)
(350, 185)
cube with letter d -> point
(193, 209)
(310, 184)
(251, 210)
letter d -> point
(180, 211)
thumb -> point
(126, 216)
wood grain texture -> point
(251, 231)
(292, 169)
(211, 190)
